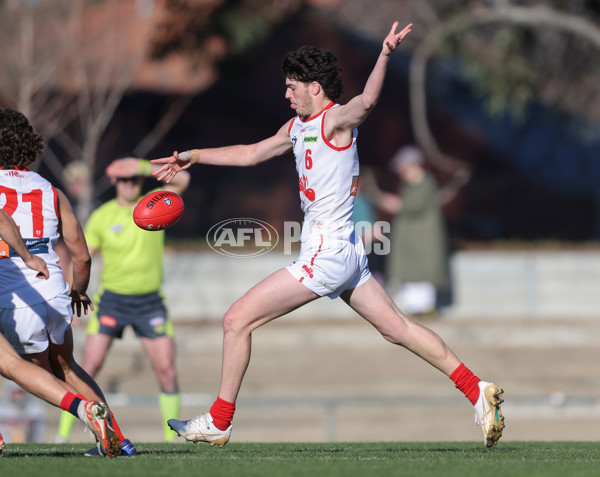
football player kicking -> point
(332, 258)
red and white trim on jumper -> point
(335, 148)
(308, 269)
(330, 105)
(56, 207)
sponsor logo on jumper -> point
(36, 245)
(310, 139)
(242, 237)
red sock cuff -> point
(67, 400)
(70, 402)
(222, 413)
(466, 382)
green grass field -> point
(446, 459)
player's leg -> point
(29, 376)
(161, 351)
(77, 377)
(32, 332)
(65, 367)
(99, 339)
(372, 302)
(39, 382)
(95, 350)
(273, 297)
(94, 354)
(276, 295)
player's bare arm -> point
(241, 155)
(341, 121)
(72, 233)
(10, 234)
(133, 166)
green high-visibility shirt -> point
(132, 257)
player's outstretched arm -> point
(240, 155)
(352, 114)
(134, 166)
(11, 235)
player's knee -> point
(390, 338)
(234, 320)
(395, 336)
(9, 367)
(229, 321)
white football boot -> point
(200, 429)
(99, 421)
(488, 414)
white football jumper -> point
(332, 256)
(32, 309)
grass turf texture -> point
(463, 459)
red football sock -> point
(467, 382)
(70, 403)
(222, 413)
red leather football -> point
(158, 210)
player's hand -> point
(172, 165)
(393, 39)
(127, 167)
(38, 264)
(80, 302)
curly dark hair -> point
(309, 63)
(19, 144)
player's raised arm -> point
(352, 114)
(10, 234)
(238, 155)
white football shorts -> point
(30, 329)
(328, 266)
